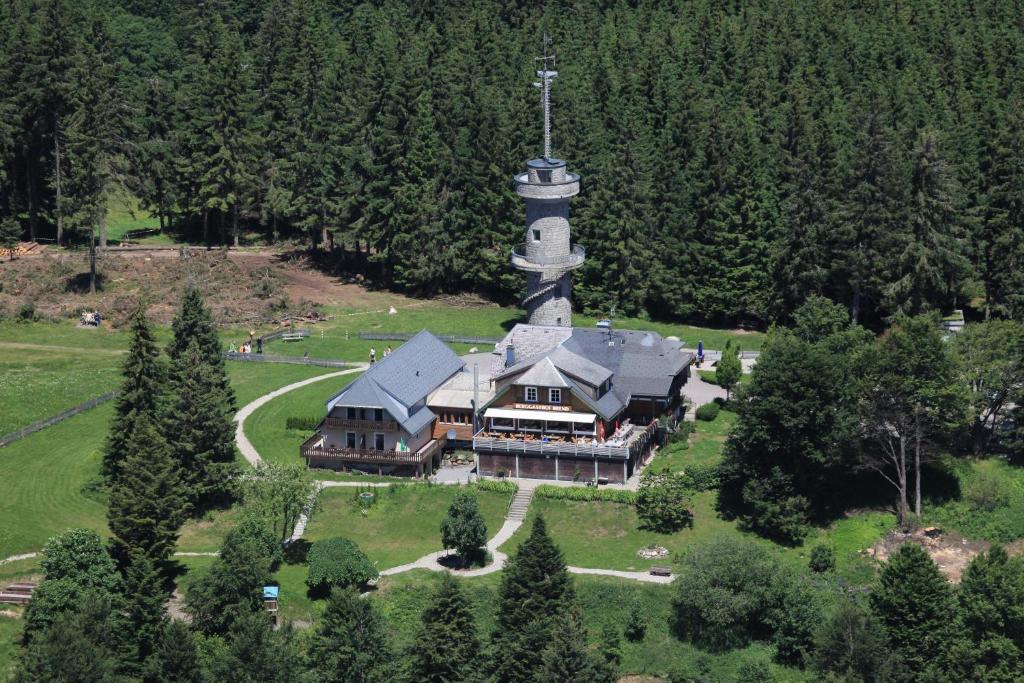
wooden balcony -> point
(361, 425)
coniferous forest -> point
(736, 156)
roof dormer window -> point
(554, 396)
(531, 394)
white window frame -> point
(526, 394)
(552, 393)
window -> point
(378, 414)
(362, 413)
(378, 441)
(350, 413)
(554, 395)
(531, 394)
(350, 439)
(536, 235)
(544, 176)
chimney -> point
(510, 356)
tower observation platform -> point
(547, 254)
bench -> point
(660, 571)
(291, 337)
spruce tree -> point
(566, 659)
(915, 604)
(928, 263)
(535, 587)
(201, 422)
(446, 649)
(140, 396)
(147, 506)
(350, 644)
(201, 417)
(175, 656)
(145, 596)
(991, 596)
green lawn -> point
(711, 376)
(41, 480)
(252, 380)
(10, 635)
(36, 383)
(402, 525)
(703, 448)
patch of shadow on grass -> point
(296, 551)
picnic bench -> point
(660, 570)
(17, 593)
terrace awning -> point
(549, 416)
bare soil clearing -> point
(951, 551)
(240, 287)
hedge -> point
(305, 424)
(708, 412)
(495, 485)
(585, 493)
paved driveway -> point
(699, 391)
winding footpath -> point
(513, 520)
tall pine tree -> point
(141, 394)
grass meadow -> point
(402, 525)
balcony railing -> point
(636, 443)
(314, 447)
(573, 259)
(364, 425)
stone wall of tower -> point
(554, 307)
(551, 220)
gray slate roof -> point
(400, 381)
(638, 363)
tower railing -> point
(573, 259)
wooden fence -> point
(54, 419)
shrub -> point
(732, 591)
(708, 412)
(27, 312)
(661, 502)
(823, 559)
(304, 424)
(681, 433)
(987, 492)
(585, 493)
(497, 486)
(338, 562)
(702, 477)
(636, 624)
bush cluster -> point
(708, 412)
(585, 493)
(702, 477)
(338, 562)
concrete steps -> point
(520, 504)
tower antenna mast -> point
(546, 74)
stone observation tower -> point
(547, 256)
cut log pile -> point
(23, 249)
